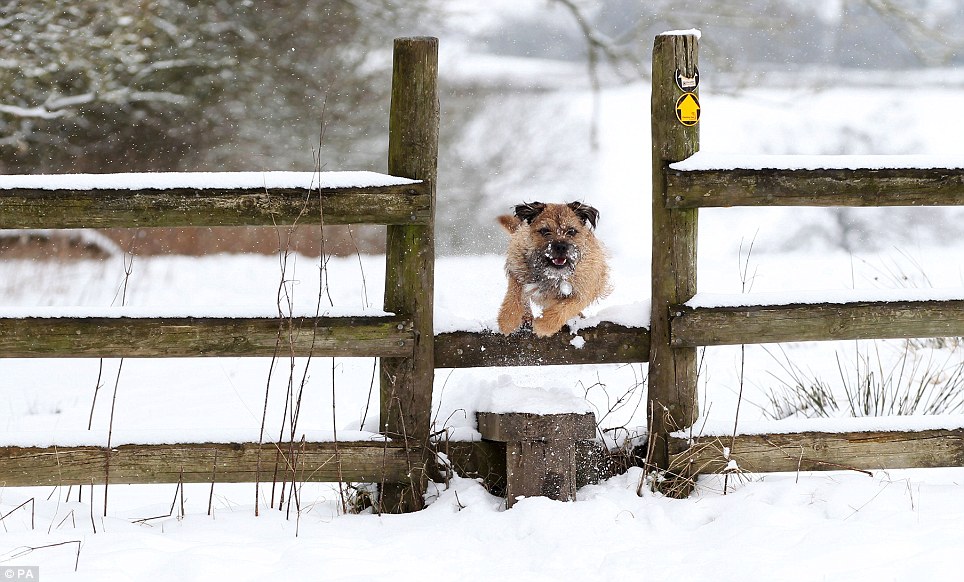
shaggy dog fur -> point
(554, 264)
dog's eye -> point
(571, 232)
(545, 231)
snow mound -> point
(504, 396)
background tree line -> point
(163, 85)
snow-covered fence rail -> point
(605, 343)
(685, 181)
(714, 180)
(402, 336)
(211, 199)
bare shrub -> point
(916, 382)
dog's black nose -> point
(559, 249)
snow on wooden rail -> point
(605, 343)
(721, 180)
(210, 199)
(202, 181)
(706, 161)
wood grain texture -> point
(406, 383)
(202, 463)
(523, 426)
(487, 460)
(782, 187)
(812, 451)
(540, 449)
(817, 322)
(606, 343)
(109, 337)
(672, 370)
(406, 204)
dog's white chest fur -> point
(540, 295)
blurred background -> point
(527, 87)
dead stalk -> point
(93, 524)
(73, 520)
(24, 550)
(800, 459)
(746, 284)
(178, 490)
(214, 472)
(97, 387)
(128, 268)
(24, 504)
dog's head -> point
(559, 233)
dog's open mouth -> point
(559, 255)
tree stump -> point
(540, 451)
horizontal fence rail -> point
(205, 463)
(357, 336)
(696, 184)
(605, 343)
(760, 324)
(820, 451)
(184, 199)
(169, 337)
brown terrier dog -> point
(554, 264)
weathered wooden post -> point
(540, 451)
(675, 131)
(406, 383)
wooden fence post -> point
(540, 451)
(406, 383)
(672, 371)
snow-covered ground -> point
(894, 525)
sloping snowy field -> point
(895, 525)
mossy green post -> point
(406, 383)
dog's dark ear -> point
(585, 212)
(528, 211)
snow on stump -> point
(540, 450)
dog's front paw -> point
(509, 321)
(545, 327)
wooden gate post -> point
(406, 383)
(672, 371)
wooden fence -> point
(405, 342)
(682, 184)
(410, 351)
